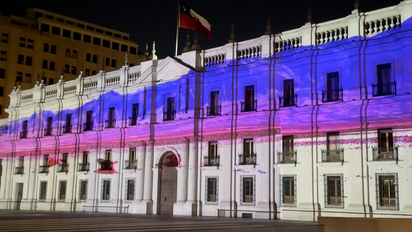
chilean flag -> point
(192, 20)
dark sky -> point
(155, 20)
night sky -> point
(155, 20)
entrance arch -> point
(167, 183)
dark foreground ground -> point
(11, 220)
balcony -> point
(214, 110)
(383, 89)
(19, 170)
(130, 164)
(132, 121)
(288, 157)
(385, 153)
(88, 126)
(247, 159)
(169, 116)
(332, 95)
(211, 160)
(110, 123)
(67, 129)
(23, 134)
(48, 131)
(106, 165)
(84, 167)
(288, 101)
(333, 155)
(247, 106)
(44, 169)
(64, 167)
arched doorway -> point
(168, 183)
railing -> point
(23, 134)
(133, 77)
(287, 157)
(88, 126)
(168, 116)
(132, 121)
(110, 123)
(44, 169)
(211, 161)
(106, 165)
(214, 110)
(246, 159)
(247, 106)
(48, 131)
(288, 44)
(110, 81)
(90, 85)
(83, 167)
(215, 60)
(382, 24)
(333, 155)
(383, 89)
(332, 35)
(332, 95)
(248, 52)
(64, 167)
(27, 97)
(288, 101)
(70, 89)
(130, 164)
(67, 129)
(19, 170)
(51, 93)
(385, 153)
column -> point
(182, 173)
(148, 173)
(140, 171)
(193, 170)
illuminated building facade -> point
(41, 45)
(312, 121)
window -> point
(169, 112)
(51, 81)
(66, 68)
(30, 43)
(5, 38)
(90, 28)
(385, 149)
(52, 65)
(1, 91)
(68, 127)
(125, 37)
(113, 63)
(334, 191)
(74, 54)
(38, 15)
(108, 33)
(62, 190)
(135, 114)
(3, 55)
(249, 104)
(107, 63)
(214, 108)
(68, 51)
(27, 78)
(247, 189)
(106, 43)
(108, 155)
(46, 47)
(73, 70)
(43, 190)
(332, 93)
(95, 59)
(49, 128)
(387, 192)
(115, 46)
(99, 30)
(20, 59)
(96, 41)
(23, 133)
(111, 122)
(88, 57)
(288, 154)
(133, 50)
(2, 73)
(55, 31)
(130, 190)
(211, 189)
(87, 72)
(44, 28)
(87, 38)
(19, 76)
(53, 49)
(288, 190)
(29, 60)
(84, 166)
(333, 152)
(44, 64)
(248, 156)
(49, 17)
(89, 122)
(83, 190)
(70, 22)
(94, 72)
(67, 33)
(21, 164)
(106, 190)
(289, 97)
(117, 36)
(124, 48)
(131, 163)
(77, 36)
(22, 42)
(212, 158)
(384, 85)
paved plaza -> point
(11, 220)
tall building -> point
(43, 45)
(311, 121)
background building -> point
(45, 45)
(312, 121)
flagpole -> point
(177, 27)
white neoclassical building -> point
(314, 121)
